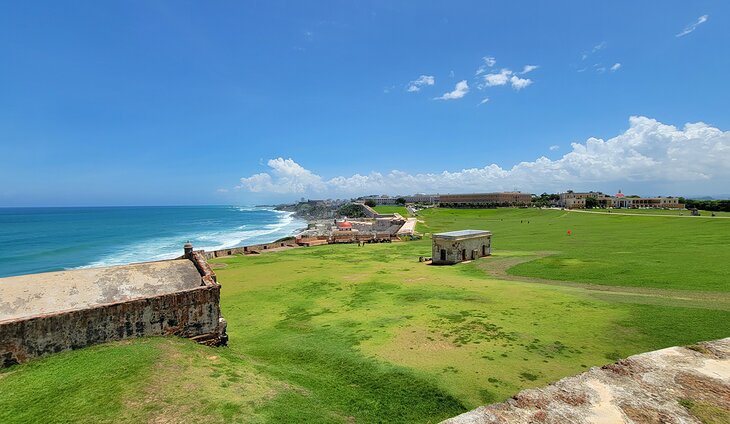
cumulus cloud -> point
(615, 67)
(505, 76)
(416, 84)
(284, 176)
(649, 154)
(693, 26)
(528, 69)
(460, 91)
(519, 83)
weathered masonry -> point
(458, 246)
(51, 312)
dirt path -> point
(497, 267)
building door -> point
(484, 250)
(443, 254)
(463, 254)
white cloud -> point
(284, 176)
(489, 62)
(519, 83)
(615, 67)
(649, 156)
(528, 68)
(416, 84)
(693, 26)
(554, 147)
(460, 91)
(494, 79)
(505, 76)
(600, 46)
(222, 190)
(484, 100)
(451, 74)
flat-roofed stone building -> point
(56, 311)
(458, 246)
(485, 200)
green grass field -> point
(392, 209)
(343, 333)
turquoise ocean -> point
(53, 239)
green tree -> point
(370, 202)
(591, 202)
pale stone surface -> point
(644, 388)
(37, 294)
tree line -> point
(706, 205)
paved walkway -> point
(409, 228)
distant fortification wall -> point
(193, 313)
(246, 250)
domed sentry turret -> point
(188, 248)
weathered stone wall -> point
(460, 249)
(245, 250)
(674, 385)
(190, 313)
(193, 313)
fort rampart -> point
(192, 312)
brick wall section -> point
(193, 313)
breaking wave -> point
(212, 235)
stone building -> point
(458, 246)
(575, 200)
(485, 200)
(51, 312)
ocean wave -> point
(170, 247)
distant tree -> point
(400, 201)
(591, 202)
(370, 202)
(351, 211)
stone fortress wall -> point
(50, 323)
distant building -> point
(485, 200)
(623, 202)
(573, 200)
(344, 226)
(380, 200)
(428, 199)
(458, 246)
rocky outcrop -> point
(674, 385)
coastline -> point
(55, 239)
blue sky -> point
(152, 102)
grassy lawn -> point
(344, 333)
(392, 209)
(671, 212)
